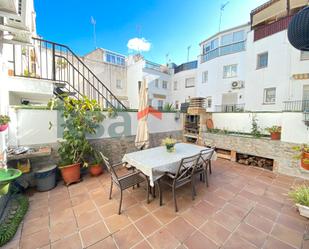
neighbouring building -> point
(158, 78)
(222, 70)
(110, 68)
(184, 81)
(253, 67)
(277, 73)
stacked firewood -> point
(255, 161)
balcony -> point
(230, 108)
(224, 50)
(156, 67)
(296, 106)
(186, 66)
(273, 28)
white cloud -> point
(139, 44)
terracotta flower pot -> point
(3, 127)
(305, 155)
(275, 135)
(95, 170)
(70, 173)
(11, 72)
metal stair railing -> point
(57, 62)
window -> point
(209, 102)
(230, 71)
(262, 60)
(157, 83)
(231, 38)
(270, 95)
(164, 84)
(119, 84)
(190, 82)
(160, 104)
(115, 59)
(205, 77)
(175, 85)
(304, 55)
(177, 104)
(211, 45)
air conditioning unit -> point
(238, 84)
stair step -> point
(59, 91)
(59, 84)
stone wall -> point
(280, 152)
(113, 148)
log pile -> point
(255, 161)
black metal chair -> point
(210, 147)
(126, 181)
(183, 175)
(203, 164)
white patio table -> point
(156, 161)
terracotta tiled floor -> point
(243, 207)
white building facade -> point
(222, 70)
(253, 67)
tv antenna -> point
(221, 13)
(188, 53)
(94, 22)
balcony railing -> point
(296, 106)
(186, 66)
(230, 108)
(224, 50)
(157, 67)
(270, 29)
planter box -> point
(303, 210)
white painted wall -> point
(242, 122)
(216, 84)
(134, 75)
(30, 127)
(151, 75)
(293, 128)
(182, 93)
(283, 62)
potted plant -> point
(10, 72)
(303, 155)
(95, 165)
(4, 122)
(275, 132)
(81, 117)
(300, 196)
(169, 143)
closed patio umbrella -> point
(142, 135)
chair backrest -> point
(186, 168)
(109, 167)
(205, 156)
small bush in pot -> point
(81, 117)
(275, 132)
(300, 195)
(303, 155)
(95, 164)
(4, 122)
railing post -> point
(53, 62)
(14, 60)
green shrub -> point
(300, 195)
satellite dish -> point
(298, 30)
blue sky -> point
(169, 25)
